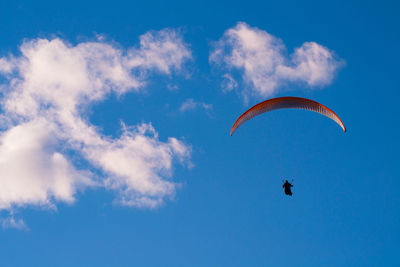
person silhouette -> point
(287, 187)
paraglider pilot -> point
(287, 187)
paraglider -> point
(283, 103)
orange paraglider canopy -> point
(286, 102)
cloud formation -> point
(47, 89)
(191, 104)
(260, 59)
(11, 222)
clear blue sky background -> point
(231, 210)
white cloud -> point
(6, 65)
(47, 89)
(164, 51)
(138, 164)
(32, 171)
(229, 83)
(11, 222)
(260, 58)
(191, 104)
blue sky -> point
(115, 146)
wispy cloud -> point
(12, 223)
(191, 104)
(229, 83)
(260, 58)
(48, 88)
